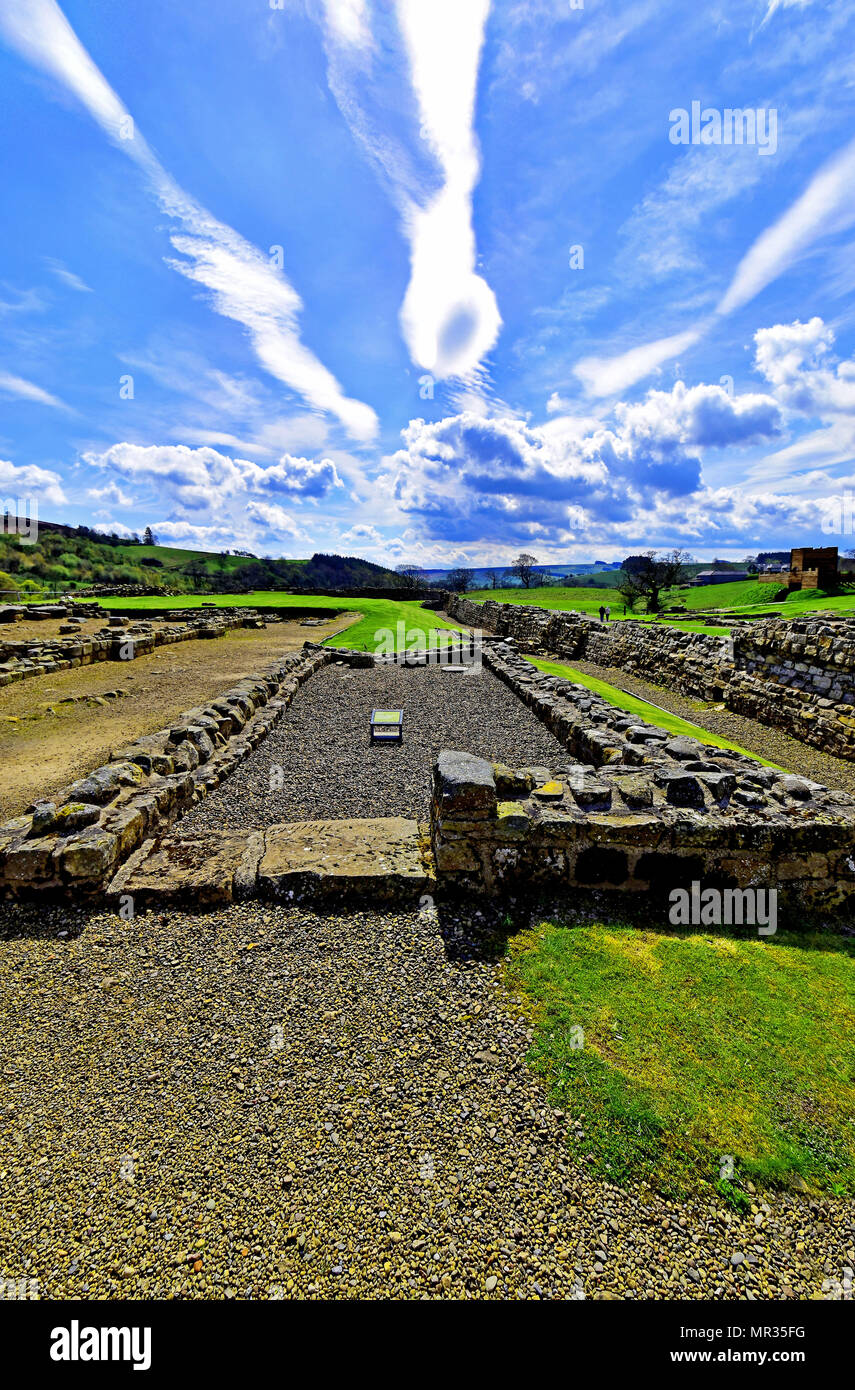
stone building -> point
(809, 569)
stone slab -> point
(202, 868)
(378, 860)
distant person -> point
(608, 612)
(602, 614)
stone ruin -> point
(797, 676)
(630, 810)
(635, 810)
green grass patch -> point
(377, 614)
(649, 714)
(696, 1047)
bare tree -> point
(523, 569)
(411, 576)
(494, 578)
(459, 580)
(645, 576)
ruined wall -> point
(635, 810)
(798, 676)
(79, 838)
(118, 641)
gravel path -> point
(261, 1103)
(330, 771)
(762, 739)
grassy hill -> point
(65, 558)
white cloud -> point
(348, 21)
(607, 376)
(307, 477)
(449, 317)
(28, 481)
(275, 521)
(12, 385)
(362, 535)
(112, 493)
(67, 276)
(826, 206)
(242, 283)
(201, 483)
(775, 5)
(466, 477)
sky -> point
(431, 281)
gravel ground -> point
(263, 1103)
(332, 772)
(758, 738)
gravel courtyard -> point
(330, 771)
(262, 1103)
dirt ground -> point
(47, 744)
(42, 632)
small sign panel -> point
(387, 725)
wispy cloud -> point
(449, 318)
(12, 385)
(242, 283)
(66, 276)
(827, 205)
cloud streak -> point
(826, 205)
(242, 284)
(449, 317)
(12, 385)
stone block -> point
(464, 786)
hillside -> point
(65, 558)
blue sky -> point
(430, 280)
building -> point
(719, 577)
(809, 568)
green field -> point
(650, 714)
(745, 598)
(696, 1047)
(582, 601)
(378, 614)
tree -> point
(197, 572)
(149, 538)
(523, 569)
(459, 580)
(494, 578)
(645, 576)
(411, 576)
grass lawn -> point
(585, 600)
(744, 598)
(378, 613)
(650, 714)
(695, 1047)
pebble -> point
(133, 1167)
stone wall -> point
(798, 676)
(77, 841)
(118, 641)
(635, 810)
